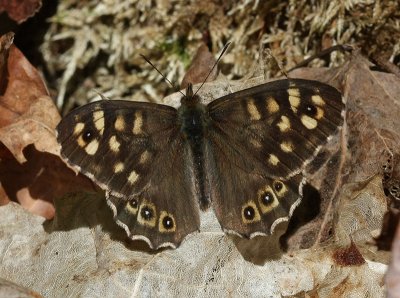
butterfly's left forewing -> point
(259, 140)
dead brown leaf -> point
(372, 121)
(20, 11)
(200, 67)
(30, 170)
(348, 256)
(27, 113)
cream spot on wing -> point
(81, 142)
(320, 113)
(114, 144)
(138, 123)
(273, 159)
(295, 92)
(294, 98)
(144, 157)
(119, 123)
(317, 99)
(79, 128)
(98, 119)
(272, 105)
(287, 146)
(92, 147)
(133, 177)
(284, 124)
(256, 143)
(253, 111)
(308, 122)
(118, 167)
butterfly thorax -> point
(193, 117)
(193, 120)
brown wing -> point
(166, 210)
(135, 152)
(260, 139)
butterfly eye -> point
(132, 206)
(249, 213)
(267, 198)
(147, 213)
(278, 186)
(311, 110)
(168, 222)
(88, 135)
(133, 203)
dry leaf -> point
(207, 264)
(30, 170)
(27, 113)
(19, 10)
(200, 68)
(10, 290)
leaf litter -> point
(348, 172)
(209, 263)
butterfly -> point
(242, 155)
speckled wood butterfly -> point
(243, 154)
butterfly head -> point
(190, 98)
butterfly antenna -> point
(163, 76)
(215, 64)
(102, 96)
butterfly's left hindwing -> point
(135, 152)
(259, 141)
